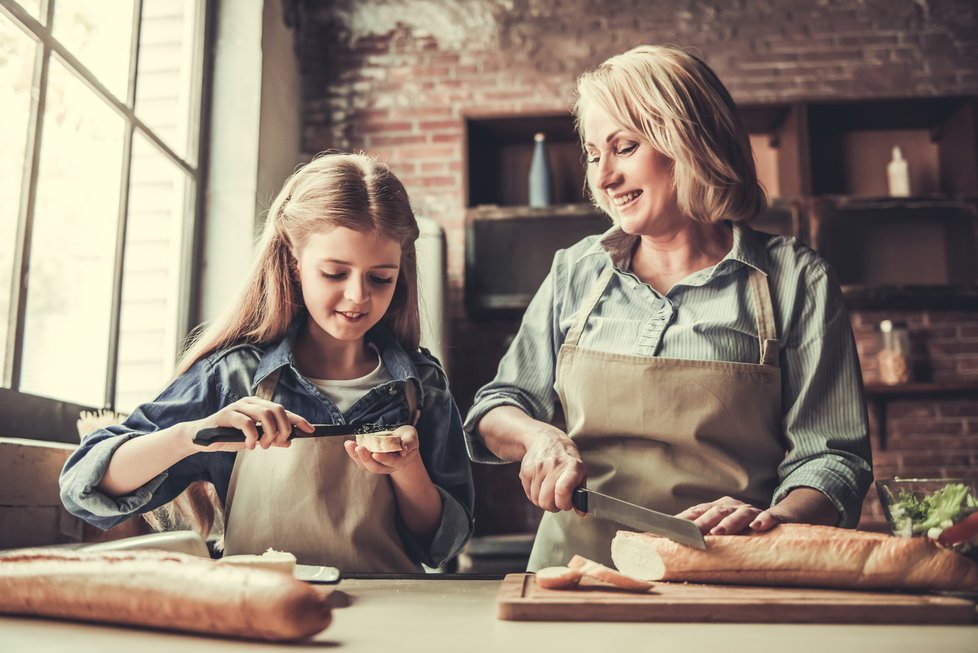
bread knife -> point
(641, 519)
(229, 434)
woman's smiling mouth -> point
(625, 199)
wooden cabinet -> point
(824, 167)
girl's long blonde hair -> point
(680, 106)
(347, 190)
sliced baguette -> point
(608, 575)
(799, 555)
(380, 441)
(558, 578)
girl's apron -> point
(313, 501)
(664, 433)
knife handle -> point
(579, 499)
(221, 434)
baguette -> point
(799, 555)
(165, 590)
(380, 441)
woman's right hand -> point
(551, 469)
(243, 414)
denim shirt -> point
(225, 376)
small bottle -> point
(898, 174)
(894, 358)
(541, 186)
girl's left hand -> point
(387, 463)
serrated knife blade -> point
(641, 519)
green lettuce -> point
(933, 513)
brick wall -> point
(397, 78)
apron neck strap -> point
(767, 332)
(266, 387)
(411, 395)
(597, 290)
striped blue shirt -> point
(708, 316)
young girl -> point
(325, 331)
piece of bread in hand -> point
(801, 555)
(380, 441)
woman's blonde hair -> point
(679, 105)
(334, 189)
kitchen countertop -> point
(435, 614)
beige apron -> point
(313, 501)
(663, 432)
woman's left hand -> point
(387, 463)
(729, 516)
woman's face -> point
(635, 180)
(347, 279)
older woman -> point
(704, 368)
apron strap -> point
(597, 290)
(411, 395)
(767, 332)
(266, 387)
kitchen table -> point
(435, 614)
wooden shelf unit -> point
(824, 166)
(879, 395)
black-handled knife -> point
(228, 434)
(642, 519)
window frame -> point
(32, 416)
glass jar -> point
(894, 357)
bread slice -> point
(607, 574)
(558, 578)
(380, 441)
(800, 555)
(273, 560)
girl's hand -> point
(728, 516)
(387, 463)
(276, 423)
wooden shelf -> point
(824, 166)
(879, 395)
(910, 298)
(508, 251)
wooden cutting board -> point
(520, 599)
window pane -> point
(16, 73)
(72, 249)
(33, 7)
(148, 337)
(100, 35)
(166, 86)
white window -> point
(100, 105)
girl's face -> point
(347, 279)
(636, 180)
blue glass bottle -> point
(541, 185)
